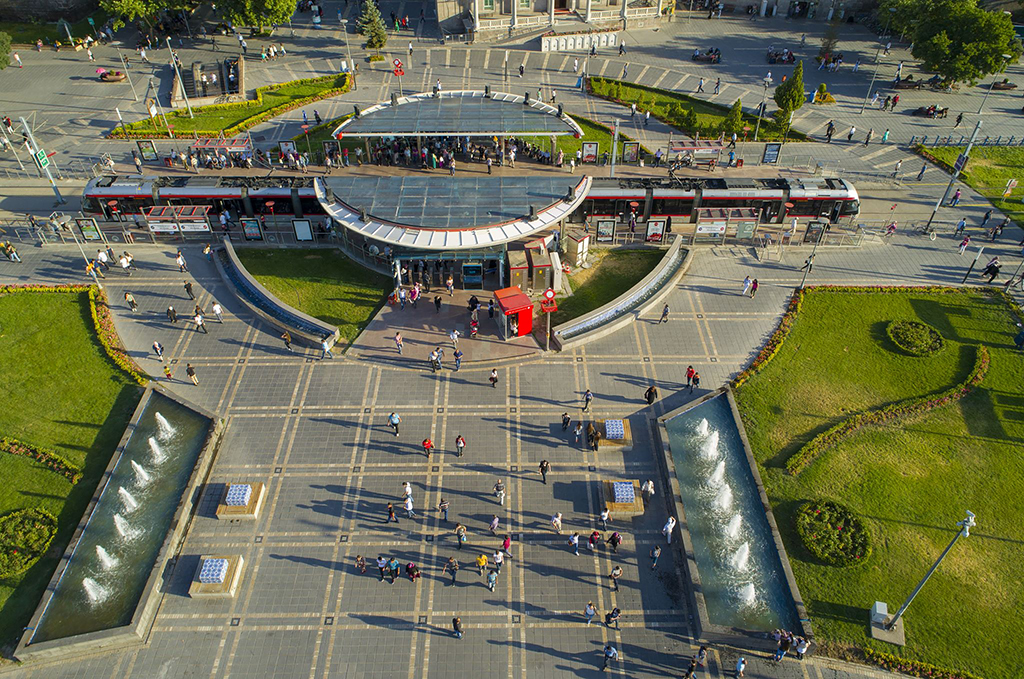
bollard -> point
(913, 139)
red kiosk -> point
(516, 319)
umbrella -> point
(101, 70)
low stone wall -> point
(268, 307)
(579, 42)
(629, 306)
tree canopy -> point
(5, 50)
(259, 13)
(789, 95)
(371, 25)
(130, 10)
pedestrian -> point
(664, 315)
(180, 261)
(702, 655)
(615, 540)
(460, 535)
(753, 288)
(492, 579)
(494, 377)
(696, 381)
(506, 545)
(437, 303)
(741, 665)
(442, 507)
(574, 543)
(428, 446)
(191, 372)
(853, 130)
(522, 70)
(613, 615)
(615, 575)
(449, 284)
(544, 468)
(655, 553)
(647, 117)
(382, 565)
(391, 514)
(964, 243)
(410, 512)
(959, 119)
(589, 612)
(867, 137)
(988, 216)
(588, 398)
(454, 337)
(218, 311)
(498, 559)
(801, 647)
(700, 85)
(17, 59)
(130, 299)
(920, 174)
(394, 421)
(718, 85)
(394, 569)
(690, 372)
(651, 395)
(456, 621)
(566, 420)
(499, 491)
(667, 529)
(556, 522)
(956, 199)
(647, 491)
(578, 432)
(325, 348)
(960, 227)
(460, 445)
(200, 323)
(610, 654)
(167, 372)
(188, 289)
(481, 564)
(172, 315)
(746, 285)
(495, 521)
(593, 541)
(398, 342)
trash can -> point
(168, 162)
(739, 162)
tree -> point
(132, 10)
(831, 38)
(962, 42)
(5, 50)
(259, 13)
(733, 121)
(789, 95)
(371, 24)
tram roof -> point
(467, 113)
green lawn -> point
(26, 33)
(612, 272)
(710, 116)
(322, 283)
(910, 480)
(58, 390)
(241, 115)
(987, 172)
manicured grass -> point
(710, 116)
(322, 283)
(241, 115)
(612, 272)
(910, 480)
(987, 171)
(58, 390)
(26, 33)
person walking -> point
(452, 566)
(647, 117)
(853, 131)
(574, 543)
(428, 446)
(495, 521)
(443, 507)
(593, 541)
(610, 654)
(667, 529)
(655, 553)
(588, 398)
(613, 615)
(615, 540)
(200, 324)
(454, 337)
(481, 564)
(460, 445)
(191, 372)
(956, 199)
(746, 285)
(651, 395)
(172, 315)
(457, 628)
(615, 575)
(130, 299)
(167, 372)
(499, 560)
(961, 226)
(492, 579)
(589, 612)
(700, 85)
(460, 535)
(718, 85)
(180, 261)
(409, 511)
(394, 421)
(964, 243)
(920, 174)
(959, 119)
(566, 421)
(506, 545)
(158, 349)
(647, 491)
(741, 666)
(360, 564)
(494, 378)
(499, 492)
(664, 315)
(399, 342)
(188, 289)
(394, 569)
(325, 347)
(556, 522)
(753, 288)
(437, 303)
(457, 355)
(696, 381)
(605, 518)
(17, 59)
(578, 432)
(218, 311)
(896, 170)
(382, 566)
(391, 514)
(544, 468)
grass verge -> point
(611, 273)
(908, 480)
(987, 172)
(61, 391)
(27, 32)
(322, 283)
(230, 119)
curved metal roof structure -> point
(464, 113)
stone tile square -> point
(618, 388)
(266, 385)
(619, 343)
(679, 337)
(273, 653)
(164, 655)
(212, 379)
(222, 340)
(291, 579)
(338, 383)
(383, 447)
(251, 441)
(362, 502)
(325, 439)
(487, 440)
(576, 651)
(415, 387)
(473, 504)
(363, 594)
(304, 505)
(480, 652)
(550, 385)
(473, 388)
(373, 647)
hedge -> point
(25, 535)
(914, 337)
(833, 533)
(49, 458)
(914, 668)
(893, 411)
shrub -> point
(914, 337)
(376, 57)
(48, 458)
(914, 668)
(25, 535)
(832, 533)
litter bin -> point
(739, 162)
(168, 162)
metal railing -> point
(961, 140)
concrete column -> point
(659, 7)
(589, 2)
(476, 14)
(551, 12)
(515, 13)
(622, 12)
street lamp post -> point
(64, 220)
(348, 50)
(36, 152)
(177, 71)
(760, 113)
(965, 531)
(1006, 57)
(128, 75)
(956, 173)
(872, 83)
(892, 11)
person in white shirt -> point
(218, 311)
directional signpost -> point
(548, 306)
(399, 72)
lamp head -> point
(967, 524)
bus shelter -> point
(177, 219)
(703, 150)
(715, 224)
(516, 317)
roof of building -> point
(450, 213)
(470, 113)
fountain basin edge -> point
(136, 631)
(703, 628)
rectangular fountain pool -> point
(106, 574)
(742, 580)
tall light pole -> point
(956, 173)
(965, 531)
(177, 71)
(128, 75)
(760, 113)
(36, 152)
(64, 221)
(892, 11)
(615, 146)
(1006, 57)
(348, 50)
(872, 83)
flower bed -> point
(914, 668)
(832, 533)
(915, 338)
(49, 458)
(893, 411)
(25, 535)
(109, 338)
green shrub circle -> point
(25, 535)
(914, 337)
(832, 533)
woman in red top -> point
(428, 445)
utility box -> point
(540, 268)
(879, 613)
(518, 270)
(577, 247)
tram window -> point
(849, 207)
(805, 208)
(601, 206)
(731, 203)
(311, 206)
(672, 206)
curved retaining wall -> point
(268, 307)
(628, 306)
